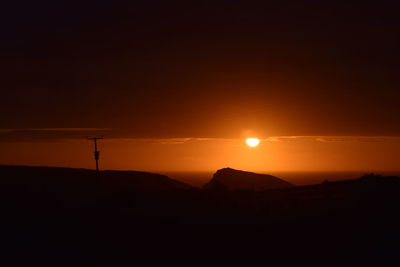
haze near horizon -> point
(177, 86)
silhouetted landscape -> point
(154, 133)
(77, 217)
(230, 179)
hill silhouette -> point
(63, 178)
(75, 217)
(231, 179)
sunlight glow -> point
(252, 142)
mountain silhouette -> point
(109, 181)
(231, 179)
(120, 218)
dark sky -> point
(201, 68)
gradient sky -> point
(148, 73)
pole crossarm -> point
(96, 151)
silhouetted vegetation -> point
(72, 217)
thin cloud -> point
(167, 141)
(326, 139)
(357, 138)
(115, 135)
(71, 129)
(48, 134)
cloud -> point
(116, 135)
(167, 141)
(357, 138)
(48, 134)
(325, 139)
(332, 138)
(286, 138)
(70, 129)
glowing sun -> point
(252, 142)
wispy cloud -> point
(54, 129)
(167, 141)
(47, 134)
(330, 139)
(285, 138)
(272, 139)
(70, 129)
(115, 135)
(357, 138)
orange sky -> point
(311, 153)
(152, 74)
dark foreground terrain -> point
(69, 217)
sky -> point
(178, 85)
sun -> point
(252, 142)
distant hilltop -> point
(231, 179)
(64, 178)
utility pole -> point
(96, 152)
